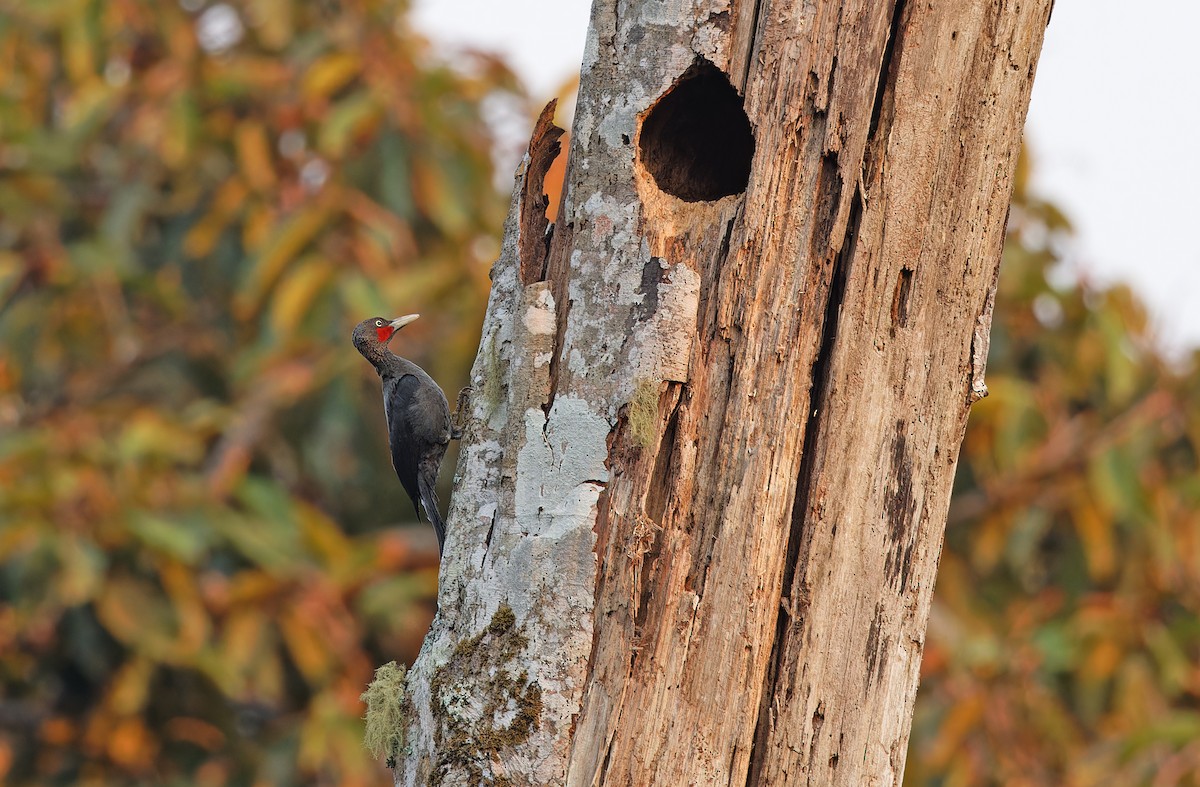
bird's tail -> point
(429, 502)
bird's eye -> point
(379, 323)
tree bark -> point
(699, 508)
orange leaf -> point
(131, 745)
(329, 74)
(254, 155)
(307, 647)
(1097, 537)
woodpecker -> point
(418, 416)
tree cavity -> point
(696, 141)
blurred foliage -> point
(198, 200)
(1064, 640)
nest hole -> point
(696, 141)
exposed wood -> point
(534, 242)
(699, 509)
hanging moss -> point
(388, 709)
(643, 413)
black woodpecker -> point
(418, 416)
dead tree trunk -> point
(699, 510)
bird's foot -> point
(456, 427)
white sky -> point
(1114, 127)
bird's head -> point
(372, 335)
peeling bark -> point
(713, 439)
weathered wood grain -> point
(713, 441)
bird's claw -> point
(456, 428)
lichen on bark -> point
(483, 705)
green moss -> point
(480, 675)
(504, 621)
(643, 413)
(387, 711)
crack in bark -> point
(818, 721)
(723, 251)
(754, 20)
(833, 71)
(981, 337)
(664, 460)
(607, 758)
(875, 653)
(828, 198)
(900, 300)
(800, 534)
(556, 275)
(487, 544)
(900, 508)
(882, 110)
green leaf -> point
(350, 116)
(185, 538)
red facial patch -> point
(385, 332)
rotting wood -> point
(534, 246)
(712, 451)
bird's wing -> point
(398, 394)
(430, 414)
